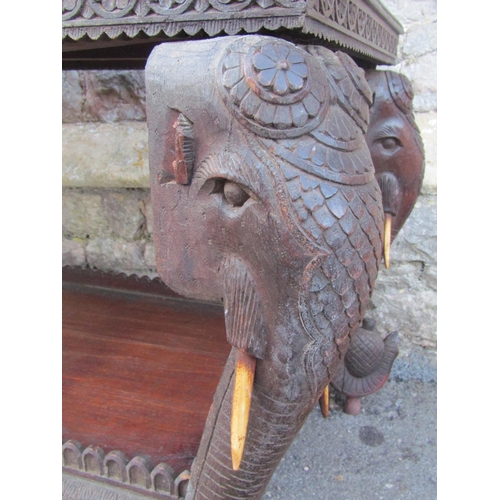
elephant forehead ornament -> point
(264, 196)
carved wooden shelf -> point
(140, 367)
(362, 28)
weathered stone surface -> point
(408, 12)
(104, 212)
(417, 50)
(427, 123)
(425, 103)
(123, 213)
(113, 96)
(147, 210)
(422, 73)
(149, 255)
(72, 97)
(83, 214)
(103, 96)
(111, 254)
(105, 155)
(420, 39)
(405, 296)
(73, 252)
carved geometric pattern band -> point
(362, 26)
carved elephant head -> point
(395, 144)
(265, 198)
(397, 152)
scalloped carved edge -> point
(136, 475)
(115, 279)
(215, 17)
(211, 27)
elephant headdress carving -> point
(265, 197)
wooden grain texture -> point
(282, 218)
(139, 371)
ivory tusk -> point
(324, 401)
(387, 239)
(242, 395)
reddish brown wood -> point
(266, 197)
(395, 144)
(139, 371)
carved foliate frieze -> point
(362, 26)
(365, 22)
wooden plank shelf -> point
(139, 368)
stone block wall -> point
(107, 220)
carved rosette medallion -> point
(273, 88)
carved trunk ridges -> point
(283, 220)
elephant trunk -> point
(272, 427)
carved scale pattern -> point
(346, 223)
(325, 168)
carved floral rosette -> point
(363, 26)
(274, 89)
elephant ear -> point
(348, 84)
(402, 93)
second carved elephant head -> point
(397, 152)
(265, 198)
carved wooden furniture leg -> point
(264, 197)
(398, 156)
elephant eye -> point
(235, 194)
(390, 143)
(231, 192)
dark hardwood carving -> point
(366, 364)
(395, 144)
(397, 152)
(362, 27)
(98, 471)
(282, 221)
(265, 201)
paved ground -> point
(387, 452)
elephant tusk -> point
(387, 239)
(242, 395)
(324, 401)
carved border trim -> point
(114, 469)
(169, 17)
(364, 26)
(356, 25)
(117, 280)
